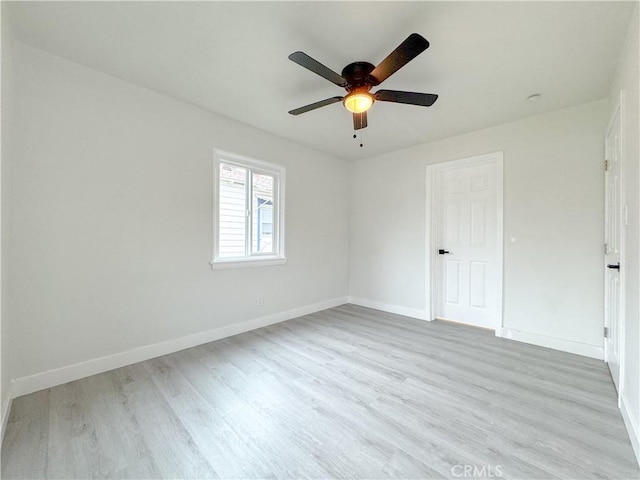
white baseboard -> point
(58, 376)
(387, 307)
(631, 422)
(570, 346)
(6, 409)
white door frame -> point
(620, 111)
(431, 225)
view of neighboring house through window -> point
(232, 211)
(262, 233)
(247, 211)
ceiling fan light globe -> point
(358, 102)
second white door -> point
(613, 246)
(467, 242)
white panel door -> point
(467, 242)
(613, 226)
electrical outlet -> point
(260, 300)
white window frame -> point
(254, 166)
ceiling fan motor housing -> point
(357, 75)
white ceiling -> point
(231, 58)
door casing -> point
(431, 226)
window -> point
(248, 223)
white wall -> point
(112, 219)
(6, 135)
(626, 79)
(553, 208)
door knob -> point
(614, 267)
(442, 251)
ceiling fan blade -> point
(411, 98)
(413, 46)
(359, 120)
(313, 106)
(309, 63)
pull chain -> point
(356, 136)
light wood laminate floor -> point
(345, 393)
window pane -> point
(262, 218)
(232, 213)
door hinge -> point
(606, 248)
(606, 165)
(606, 332)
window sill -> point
(247, 262)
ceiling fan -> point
(358, 78)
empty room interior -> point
(365, 240)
